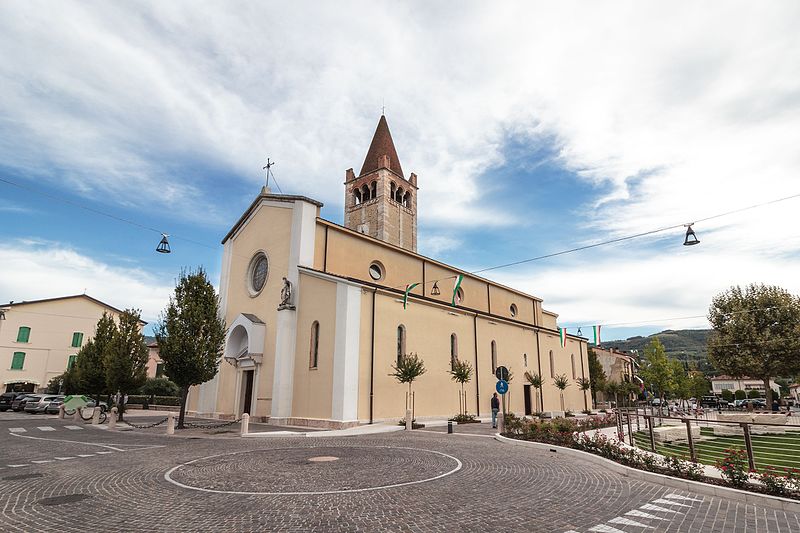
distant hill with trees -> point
(689, 346)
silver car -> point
(41, 405)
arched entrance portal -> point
(244, 350)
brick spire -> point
(382, 145)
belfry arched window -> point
(399, 195)
(401, 342)
(374, 190)
(407, 199)
(393, 190)
(357, 196)
(365, 192)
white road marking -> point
(627, 522)
(73, 427)
(46, 428)
(670, 502)
(16, 466)
(606, 529)
(640, 514)
(130, 447)
(42, 461)
(103, 452)
(679, 497)
(650, 507)
(17, 430)
(64, 458)
(85, 455)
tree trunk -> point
(182, 413)
(121, 407)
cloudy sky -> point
(533, 127)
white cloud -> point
(34, 270)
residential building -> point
(721, 383)
(155, 365)
(618, 366)
(40, 339)
(316, 315)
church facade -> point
(316, 315)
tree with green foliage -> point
(190, 334)
(584, 384)
(597, 376)
(63, 383)
(159, 387)
(561, 382)
(753, 394)
(657, 370)
(408, 368)
(535, 380)
(740, 395)
(756, 333)
(125, 357)
(727, 395)
(698, 386)
(90, 366)
(461, 372)
(613, 388)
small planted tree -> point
(584, 384)
(740, 394)
(535, 380)
(613, 388)
(190, 334)
(408, 368)
(462, 374)
(125, 357)
(597, 375)
(727, 395)
(90, 365)
(561, 382)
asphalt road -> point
(58, 476)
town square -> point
(399, 267)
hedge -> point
(155, 400)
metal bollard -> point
(449, 427)
(245, 424)
(170, 423)
(112, 419)
(96, 416)
(409, 423)
(61, 411)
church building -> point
(316, 315)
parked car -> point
(19, 402)
(710, 401)
(34, 406)
(7, 398)
(52, 409)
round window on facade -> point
(257, 273)
(513, 309)
(376, 271)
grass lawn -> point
(780, 451)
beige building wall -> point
(52, 324)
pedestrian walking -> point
(495, 409)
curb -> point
(752, 498)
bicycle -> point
(90, 410)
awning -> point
(18, 381)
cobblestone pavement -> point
(81, 480)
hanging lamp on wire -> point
(691, 238)
(163, 246)
(435, 289)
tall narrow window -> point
(313, 357)
(71, 361)
(552, 365)
(77, 339)
(494, 357)
(374, 190)
(401, 342)
(18, 361)
(23, 334)
(453, 351)
(159, 369)
(525, 359)
(574, 375)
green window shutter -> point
(24, 334)
(71, 361)
(77, 339)
(18, 361)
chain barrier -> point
(211, 426)
(145, 426)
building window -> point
(525, 359)
(513, 310)
(18, 361)
(494, 357)
(374, 189)
(365, 193)
(77, 339)
(23, 334)
(453, 351)
(376, 271)
(574, 375)
(407, 200)
(313, 358)
(399, 195)
(257, 273)
(552, 365)
(71, 361)
(356, 196)
(401, 342)
(159, 369)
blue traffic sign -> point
(502, 386)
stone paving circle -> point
(313, 470)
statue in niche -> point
(286, 296)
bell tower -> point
(380, 201)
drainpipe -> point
(477, 379)
(372, 357)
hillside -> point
(686, 345)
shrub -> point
(681, 468)
(586, 411)
(464, 419)
(733, 467)
(154, 400)
(159, 387)
(775, 483)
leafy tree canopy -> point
(125, 356)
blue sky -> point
(532, 128)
